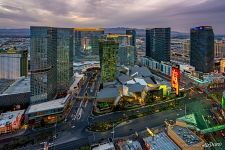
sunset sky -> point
(180, 15)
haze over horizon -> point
(180, 15)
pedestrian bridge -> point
(213, 129)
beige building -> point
(185, 138)
(219, 49)
(222, 66)
(186, 48)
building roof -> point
(107, 146)
(149, 80)
(161, 141)
(9, 117)
(186, 135)
(190, 119)
(135, 87)
(140, 81)
(108, 92)
(53, 104)
(124, 78)
(142, 71)
(22, 85)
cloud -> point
(180, 15)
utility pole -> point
(185, 110)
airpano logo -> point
(211, 144)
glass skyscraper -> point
(202, 49)
(132, 32)
(86, 44)
(158, 44)
(108, 52)
(64, 58)
(43, 63)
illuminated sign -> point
(175, 81)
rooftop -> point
(140, 71)
(161, 141)
(9, 117)
(186, 135)
(22, 85)
(135, 87)
(53, 104)
(107, 146)
(108, 92)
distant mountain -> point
(14, 32)
(118, 30)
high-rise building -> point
(86, 44)
(43, 63)
(108, 52)
(126, 51)
(132, 32)
(13, 64)
(202, 49)
(158, 44)
(64, 58)
(126, 55)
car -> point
(73, 126)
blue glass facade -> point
(158, 44)
(202, 49)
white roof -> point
(53, 104)
(9, 117)
(107, 146)
(140, 81)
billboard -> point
(175, 81)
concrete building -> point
(13, 64)
(106, 146)
(185, 138)
(108, 52)
(86, 44)
(202, 49)
(186, 48)
(219, 49)
(11, 121)
(158, 44)
(17, 94)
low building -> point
(185, 138)
(17, 94)
(106, 146)
(11, 121)
(129, 145)
(160, 142)
(48, 112)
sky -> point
(180, 15)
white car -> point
(73, 126)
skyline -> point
(179, 15)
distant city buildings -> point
(132, 32)
(219, 49)
(86, 44)
(202, 49)
(13, 64)
(158, 44)
(108, 52)
(126, 52)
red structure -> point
(175, 81)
